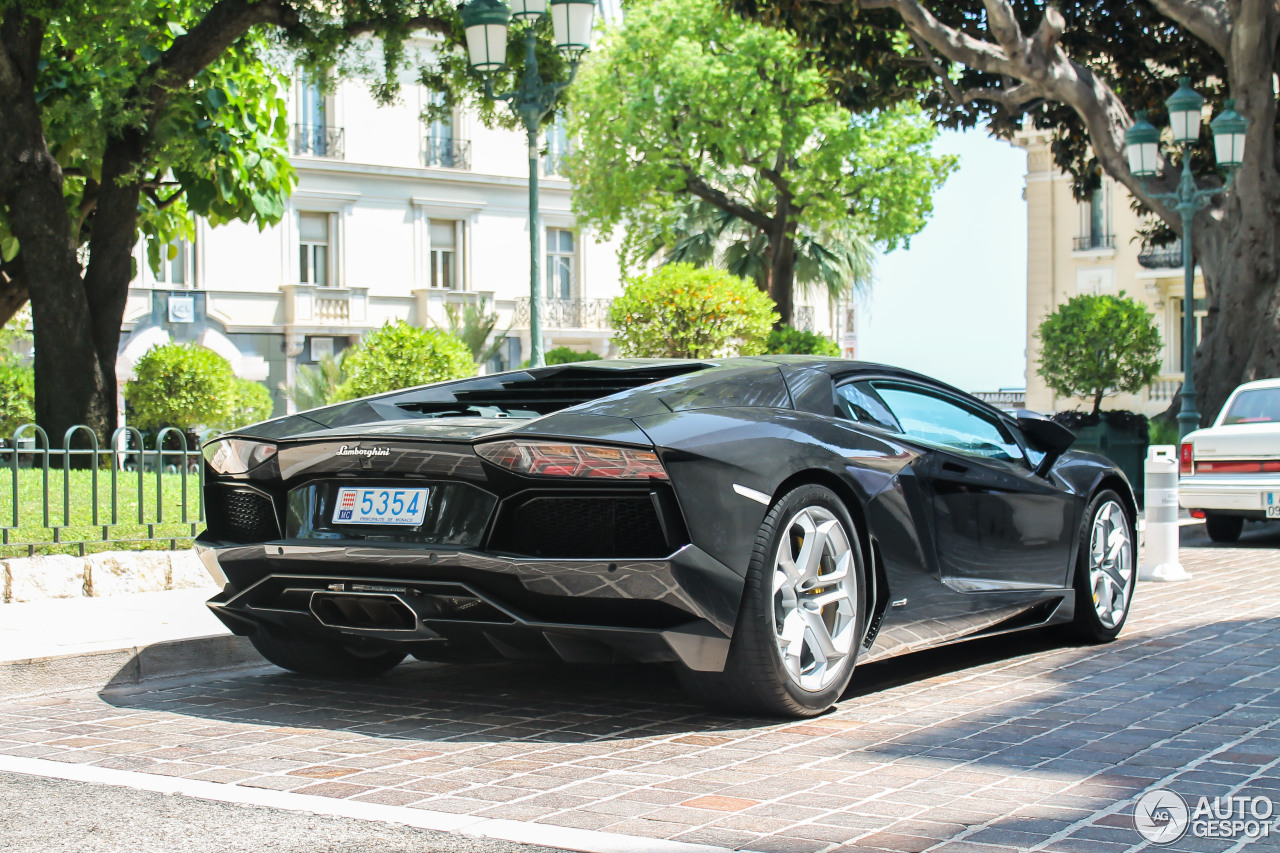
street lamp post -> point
(485, 23)
(1142, 144)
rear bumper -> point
(1227, 494)
(448, 603)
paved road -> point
(1008, 744)
(53, 816)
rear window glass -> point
(1260, 406)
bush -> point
(680, 311)
(796, 342)
(401, 356)
(564, 355)
(17, 398)
(316, 385)
(180, 385)
(250, 402)
(1095, 345)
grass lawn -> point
(78, 524)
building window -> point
(174, 267)
(315, 134)
(443, 234)
(1177, 343)
(1095, 220)
(557, 147)
(560, 263)
(314, 255)
(443, 148)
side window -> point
(859, 403)
(935, 420)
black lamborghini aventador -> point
(762, 523)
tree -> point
(120, 120)
(797, 342)
(1081, 69)
(249, 403)
(401, 356)
(180, 385)
(564, 355)
(836, 259)
(316, 385)
(680, 311)
(473, 324)
(685, 101)
(1095, 345)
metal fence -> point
(94, 498)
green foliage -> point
(1162, 430)
(316, 385)
(564, 355)
(1095, 345)
(180, 385)
(680, 311)
(17, 381)
(473, 324)
(250, 402)
(797, 342)
(401, 356)
(873, 63)
(683, 100)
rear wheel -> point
(1104, 577)
(323, 658)
(1223, 528)
(802, 616)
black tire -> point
(1088, 625)
(1223, 528)
(322, 658)
(755, 680)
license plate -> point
(381, 506)
(1270, 504)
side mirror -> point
(1046, 435)
(1050, 438)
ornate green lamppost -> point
(1142, 145)
(485, 22)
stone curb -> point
(94, 575)
(116, 668)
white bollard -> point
(1160, 556)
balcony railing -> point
(1165, 388)
(1161, 257)
(318, 141)
(314, 305)
(566, 313)
(447, 153)
(1087, 242)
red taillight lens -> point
(551, 459)
(1186, 459)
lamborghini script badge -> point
(346, 450)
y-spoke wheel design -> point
(1105, 570)
(1110, 564)
(803, 613)
(814, 598)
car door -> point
(997, 526)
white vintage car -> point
(1230, 471)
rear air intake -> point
(580, 527)
(238, 514)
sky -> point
(954, 304)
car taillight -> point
(557, 459)
(1186, 459)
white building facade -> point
(392, 218)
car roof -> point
(1259, 383)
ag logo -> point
(1161, 816)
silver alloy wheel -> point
(1110, 563)
(815, 592)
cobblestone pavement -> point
(1018, 743)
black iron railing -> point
(318, 141)
(1085, 242)
(447, 153)
(1168, 256)
(566, 313)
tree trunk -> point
(782, 276)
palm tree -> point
(314, 385)
(473, 324)
(835, 258)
